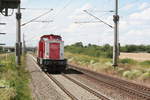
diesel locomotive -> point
(50, 53)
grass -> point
(94, 63)
(145, 64)
(128, 61)
(14, 79)
(128, 68)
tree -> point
(78, 44)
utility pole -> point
(115, 48)
(18, 37)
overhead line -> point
(60, 11)
(98, 19)
(67, 4)
(86, 22)
(109, 11)
(44, 21)
(37, 17)
(35, 8)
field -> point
(127, 69)
(136, 56)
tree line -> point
(105, 50)
(135, 48)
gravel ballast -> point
(76, 90)
(42, 87)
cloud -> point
(144, 5)
(71, 28)
(87, 6)
(24, 1)
(143, 15)
(78, 13)
(135, 27)
(138, 36)
(129, 6)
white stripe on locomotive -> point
(47, 49)
(62, 50)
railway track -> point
(60, 85)
(128, 87)
(100, 96)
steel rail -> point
(141, 88)
(100, 96)
(62, 87)
(111, 81)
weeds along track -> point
(128, 87)
(70, 94)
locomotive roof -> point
(51, 36)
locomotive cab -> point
(51, 53)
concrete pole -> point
(18, 37)
(115, 48)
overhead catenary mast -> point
(18, 37)
(116, 51)
(116, 32)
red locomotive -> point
(51, 53)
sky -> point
(134, 25)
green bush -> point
(136, 73)
(145, 76)
(145, 63)
(105, 50)
(135, 48)
(128, 74)
(128, 61)
(120, 70)
(91, 50)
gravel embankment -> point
(42, 87)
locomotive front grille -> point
(49, 62)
